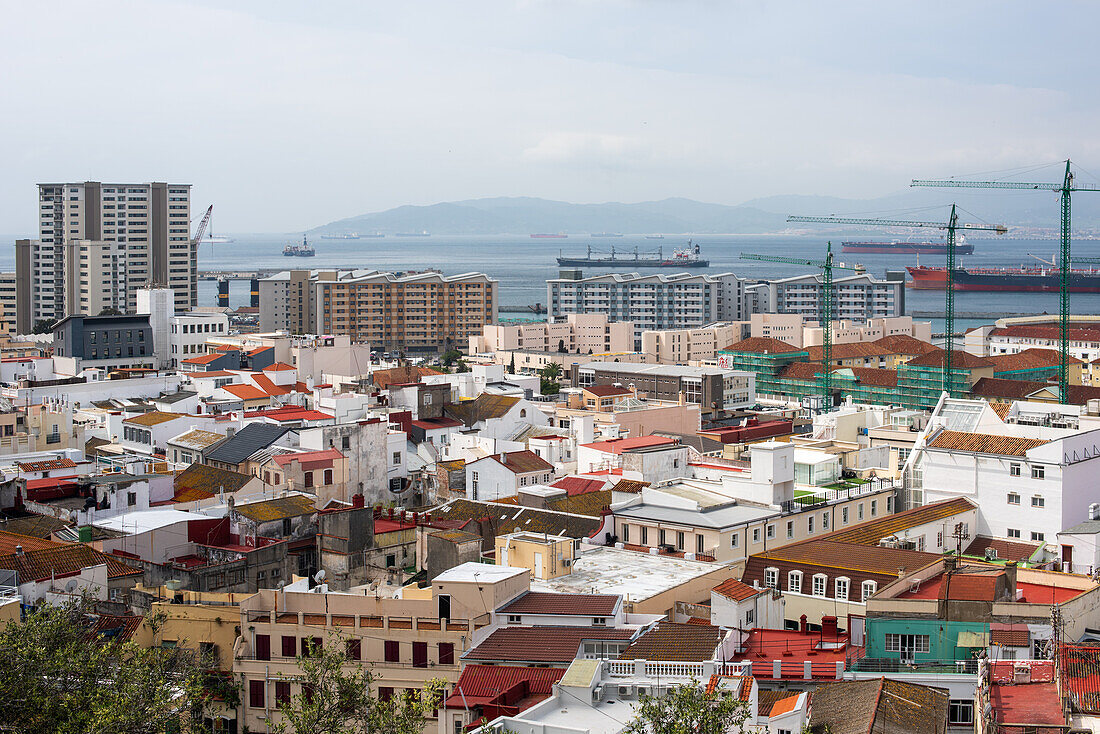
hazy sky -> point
(287, 114)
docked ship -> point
(545, 236)
(897, 247)
(687, 257)
(302, 250)
(1014, 280)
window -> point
(698, 543)
(1038, 472)
(420, 654)
(131, 499)
(874, 507)
(679, 540)
(392, 651)
(353, 649)
(819, 584)
(771, 531)
(825, 521)
(645, 534)
(345, 442)
(1013, 498)
(661, 536)
(961, 713)
(1038, 501)
(939, 539)
(735, 539)
(790, 528)
(396, 458)
(1013, 533)
(446, 653)
(794, 582)
(256, 697)
(771, 578)
(810, 524)
(328, 476)
(840, 588)
(1040, 537)
(515, 618)
(263, 647)
(282, 693)
(1014, 470)
(844, 515)
(859, 512)
(626, 533)
(869, 589)
(599, 621)
(290, 646)
(906, 643)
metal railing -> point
(896, 665)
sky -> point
(288, 114)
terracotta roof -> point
(210, 479)
(734, 589)
(784, 705)
(1077, 333)
(829, 553)
(37, 526)
(1001, 409)
(1010, 550)
(204, 358)
(210, 374)
(479, 685)
(277, 509)
(960, 360)
(278, 367)
(246, 392)
(310, 460)
(1029, 359)
(579, 485)
(1009, 635)
(111, 628)
(264, 383)
(47, 465)
(607, 391)
(879, 704)
(765, 700)
(64, 559)
(152, 418)
(630, 486)
(8, 542)
(905, 344)
(801, 371)
(999, 387)
(984, 443)
(872, 531)
(403, 375)
(481, 408)
(520, 462)
(762, 345)
(619, 445)
(546, 602)
(258, 350)
(970, 585)
(549, 644)
(503, 519)
(677, 642)
(740, 686)
(850, 350)
(592, 504)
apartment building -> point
(677, 346)
(1014, 335)
(8, 308)
(575, 334)
(425, 311)
(650, 302)
(135, 235)
(859, 297)
(800, 331)
(711, 388)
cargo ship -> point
(687, 257)
(544, 236)
(962, 247)
(1013, 280)
(302, 250)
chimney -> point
(828, 626)
(503, 458)
(18, 550)
(803, 625)
(950, 563)
(357, 500)
(1094, 511)
(1010, 580)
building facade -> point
(859, 297)
(575, 334)
(121, 237)
(677, 346)
(711, 388)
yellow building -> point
(545, 556)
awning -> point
(973, 639)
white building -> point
(737, 605)
(679, 346)
(802, 331)
(650, 302)
(1032, 473)
(504, 474)
(857, 297)
(189, 332)
(1014, 335)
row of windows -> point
(1038, 471)
(820, 584)
(1036, 500)
(663, 538)
(1037, 537)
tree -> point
(336, 699)
(512, 366)
(450, 357)
(110, 311)
(689, 709)
(44, 326)
(552, 371)
(461, 366)
(58, 675)
(561, 346)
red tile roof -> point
(431, 424)
(784, 705)
(310, 459)
(734, 589)
(289, 413)
(203, 358)
(1031, 706)
(984, 443)
(960, 360)
(793, 649)
(1009, 635)
(63, 560)
(619, 445)
(9, 541)
(607, 391)
(246, 392)
(211, 373)
(48, 465)
(579, 485)
(1080, 674)
(1011, 550)
(542, 644)
(1029, 359)
(544, 602)
(905, 344)
(479, 685)
(264, 383)
(762, 345)
(278, 367)
(1077, 333)
(1002, 388)
(677, 642)
(521, 462)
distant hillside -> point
(525, 215)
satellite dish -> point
(70, 587)
(319, 576)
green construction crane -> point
(951, 225)
(827, 267)
(1065, 188)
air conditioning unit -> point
(626, 691)
(597, 694)
(643, 691)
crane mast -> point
(951, 225)
(1064, 189)
(201, 231)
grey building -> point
(80, 342)
(712, 388)
(857, 297)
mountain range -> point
(524, 215)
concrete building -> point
(680, 346)
(803, 331)
(650, 302)
(81, 342)
(713, 389)
(189, 333)
(504, 474)
(137, 233)
(1013, 335)
(409, 311)
(575, 334)
(859, 297)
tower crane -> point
(827, 267)
(201, 231)
(1065, 189)
(951, 225)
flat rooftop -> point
(632, 575)
(484, 572)
(666, 370)
(132, 523)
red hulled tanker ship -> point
(1014, 280)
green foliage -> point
(561, 347)
(109, 311)
(512, 366)
(44, 326)
(450, 356)
(551, 371)
(689, 709)
(549, 387)
(58, 676)
(339, 700)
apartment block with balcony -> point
(858, 298)
(574, 333)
